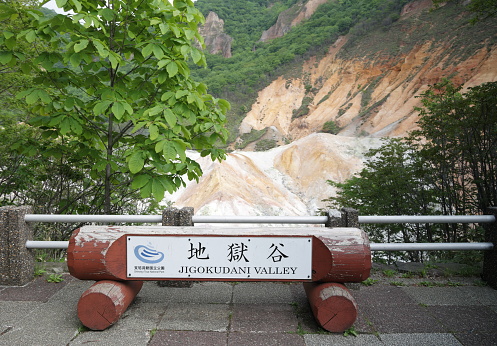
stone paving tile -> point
(460, 319)
(262, 293)
(35, 336)
(183, 338)
(420, 339)
(111, 337)
(38, 290)
(72, 291)
(269, 318)
(201, 317)
(141, 316)
(381, 295)
(265, 339)
(488, 338)
(340, 340)
(199, 293)
(12, 312)
(54, 315)
(402, 319)
(484, 295)
(440, 296)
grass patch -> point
(369, 282)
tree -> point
(394, 181)
(461, 144)
(482, 9)
(115, 87)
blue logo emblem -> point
(148, 254)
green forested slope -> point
(254, 64)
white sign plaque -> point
(219, 257)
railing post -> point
(490, 256)
(169, 217)
(334, 218)
(16, 261)
(350, 217)
(175, 217)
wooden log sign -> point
(216, 254)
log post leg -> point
(333, 306)
(105, 301)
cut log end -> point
(333, 306)
(105, 301)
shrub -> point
(331, 127)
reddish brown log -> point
(338, 254)
(333, 306)
(104, 302)
(97, 255)
(343, 256)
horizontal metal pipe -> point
(35, 244)
(430, 246)
(30, 244)
(261, 219)
(158, 219)
(93, 218)
(427, 219)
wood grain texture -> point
(105, 301)
(339, 254)
(333, 306)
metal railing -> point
(281, 220)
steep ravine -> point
(370, 88)
(288, 180)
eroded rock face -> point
(216, 40)
(372, 95)
(291, 17)
(288, 180)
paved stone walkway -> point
(220, 313)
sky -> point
(51, 5)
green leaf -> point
(118, 109)
(136, 162)
(180, 149)
(103, 51)
(170, 117)
(146, 190)
(60, 3)
(31, 36)
(5, 57)
(180, 93)
(196, 55)
(82, 44)
(167, 95)
(139, 181)
(101, 107)
(154, 132)
(44, 97)
(107, 14)
(76, 127)
(11, 42)
(172, 69)
(114, 59)
(148, 50)
(32, 97)
(225, 105)
(158, 52)
(157, 189)
(77, 4)
(159, 146)
(65, 126)
(169, 150)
